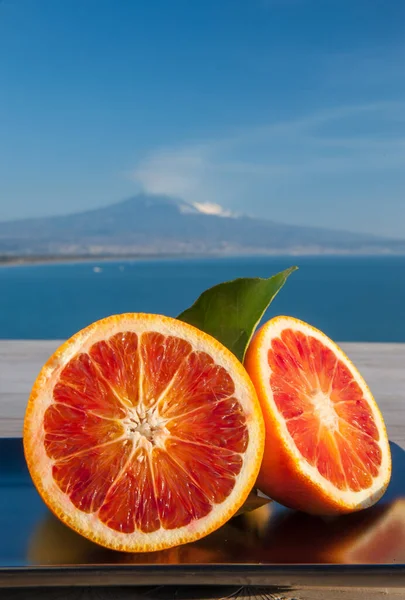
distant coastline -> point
(21, 261)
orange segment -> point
(326, 446)
(357, 413)
(222, 425)
(86, 479)
(357, 476)
(180, 499)
(214, 472)
(70, 431)
(198, 381)
(82, 386)
(162, 357)
(142, 432)
(131, 502)
(304, 431)
(117, 360)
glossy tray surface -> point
(266, 544)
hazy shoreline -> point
(55, 260)
(60, 260)
(26, 261)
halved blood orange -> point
(326, 448)
(142, 432)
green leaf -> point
(231, 311)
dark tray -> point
(269, 546)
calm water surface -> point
(351, 299)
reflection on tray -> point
(54, 543)
(269, 534)
(372, 536)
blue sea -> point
(351, 299)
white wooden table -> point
(383, 367)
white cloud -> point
(246, 170)
(176, 172)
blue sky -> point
(293, 110)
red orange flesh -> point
(326, 448)
(142, 432)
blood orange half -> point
(142, 432)
(326, 448)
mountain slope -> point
(158, 225)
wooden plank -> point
(20, 362)
(382, 365)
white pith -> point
(323, 407)
(324, 410)
(147, 428)
(144, 428)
